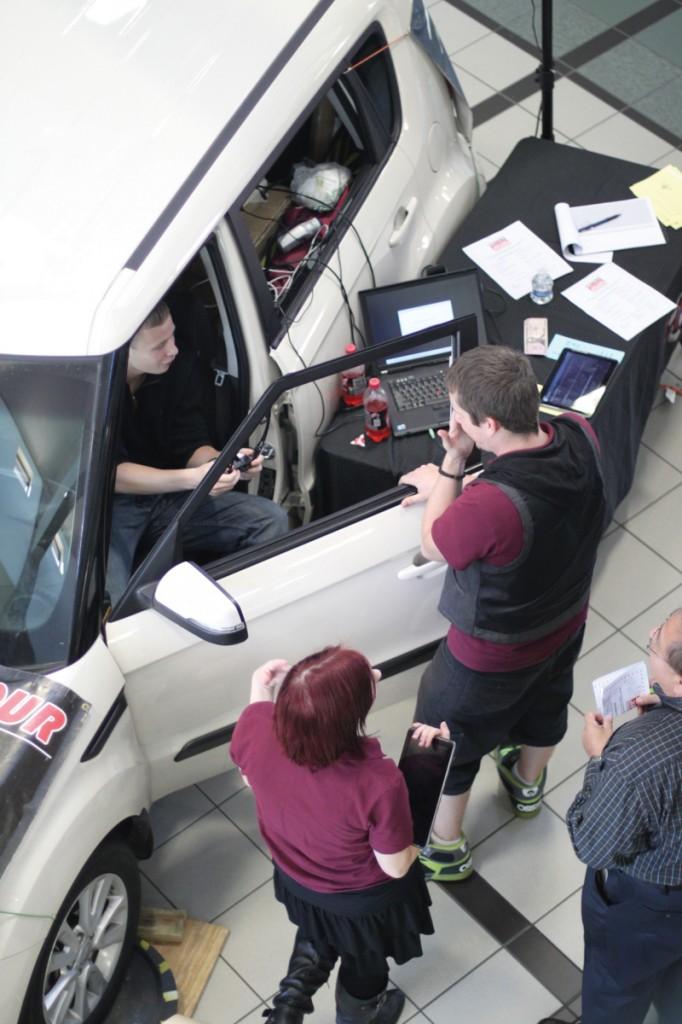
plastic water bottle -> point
(542, 287)
(377, 426)
(353, 381)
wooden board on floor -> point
(193, 960)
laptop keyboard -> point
(411, 392)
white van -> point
(148, 150)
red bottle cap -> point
(374, 382)
(350, 348)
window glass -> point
(306, 195)
(46, 443)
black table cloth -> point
(537, 175)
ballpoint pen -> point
(598, 223)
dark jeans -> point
(633, 934)
(219, 526)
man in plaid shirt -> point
(626, 825)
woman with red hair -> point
(335, 814)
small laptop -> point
(578, 381)
(425, 770)
(414, 379)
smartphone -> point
(535, 336)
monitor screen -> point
(396, 310)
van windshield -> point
(46, 443)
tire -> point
(81, 964)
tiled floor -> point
(210, 858)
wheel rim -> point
(86, 951)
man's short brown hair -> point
(497, 382)
(158, 315)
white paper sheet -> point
(511, 257)
(560, 341)
(589, 234)
(614, 691)
(619, 300)
(419, 318)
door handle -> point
(402, 220)
(424, 571)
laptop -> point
(425, 770)
(414, 379)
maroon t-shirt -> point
(483, 524)
(322, 826)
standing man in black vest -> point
(521, 543)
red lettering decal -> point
(44, 722)
(4, 690)
(18, 706)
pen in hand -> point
(598, 223)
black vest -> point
(558, 492)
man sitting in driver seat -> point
(164, 452)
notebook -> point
(414, 379)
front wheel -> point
(81, 965)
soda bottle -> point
(377, 426)
(353, 381)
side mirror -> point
(189, 597)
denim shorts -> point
(486, 709)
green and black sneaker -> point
(447, 862)
(526, 798)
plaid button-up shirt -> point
(628, 814)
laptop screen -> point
(400, 309)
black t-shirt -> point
(163, 424)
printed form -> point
(619, 300)
(511, 257)
(614, 691)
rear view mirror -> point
(189, 597)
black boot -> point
(307, 972)
(384, 1008)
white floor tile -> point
(456, 28)
(208, 867)
(498, 992)
(569, 755)
(575, 109)
(563, 927)
(614, 653)
(628, 578)
(596, 630)
(623, 138)
(220, 787)
(390, 724)
(241, 809)
(663, 432)
(474, 89)
(486, 167)
(531, 863)
(496, 138)
(458, 946)
(226, 998)
(495, 61)
(261, 937)
(638, 630)
(176, 811)
(402, 686)
(659, 527)
(489, 807)
(561, 798)
(150, 895)
(654, 477)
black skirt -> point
(366, 925)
